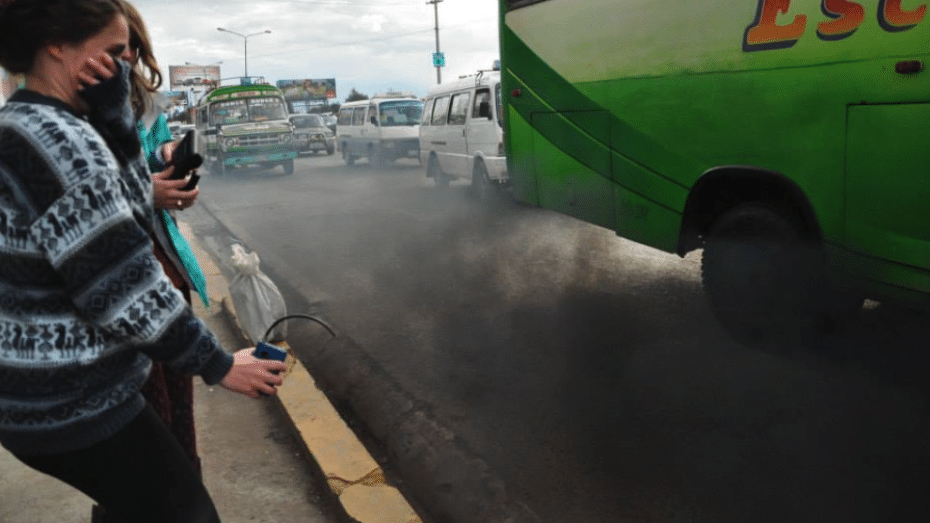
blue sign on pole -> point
(439, 59)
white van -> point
(462, 134)
(382, 129)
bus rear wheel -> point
(764, 278)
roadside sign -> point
(439, 59)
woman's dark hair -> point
(28, 25)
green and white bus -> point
(790, 139)
(245, 125)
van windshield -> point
(400, 113)
(249, 110)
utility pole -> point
(435, 4)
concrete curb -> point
(352, 475)
(462, 487)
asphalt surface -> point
(509, 362)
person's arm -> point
(103, 255)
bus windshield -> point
(401, 113)
(249, 110)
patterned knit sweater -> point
(84, 304)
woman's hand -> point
(168, 193)
(167, 150)
(95, 70)
(252, 376)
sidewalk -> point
(289, 459)
(253, 466)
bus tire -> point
(434, 171)
(288, 167)
(481, 187)
(763, 278)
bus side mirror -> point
(484, 110)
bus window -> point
(231, 112)
(358, 117)
(345, 116)
(459, 109)
(268, 108)
(482, 96)
(373, 114)
(440, 111)
(427, 113)
(400, 113)
(500, 109)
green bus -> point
(245, 125)
(788, 139)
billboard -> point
(308, 89)
(197, 76)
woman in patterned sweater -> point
(84, 304)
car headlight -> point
(231, 142)
(287, 137)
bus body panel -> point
(688, 87)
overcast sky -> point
(371, 45)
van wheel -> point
(288, 167)
(434, 171)
(346, 156)
(330, 150)
(762, 276)
(481, 187)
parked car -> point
(312, 135)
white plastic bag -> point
(257, 300)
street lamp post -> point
(245, 44)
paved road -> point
(587, 370)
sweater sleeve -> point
(93, 234)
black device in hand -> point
(184, 158)
(191, 182)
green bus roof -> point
(231, 92)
